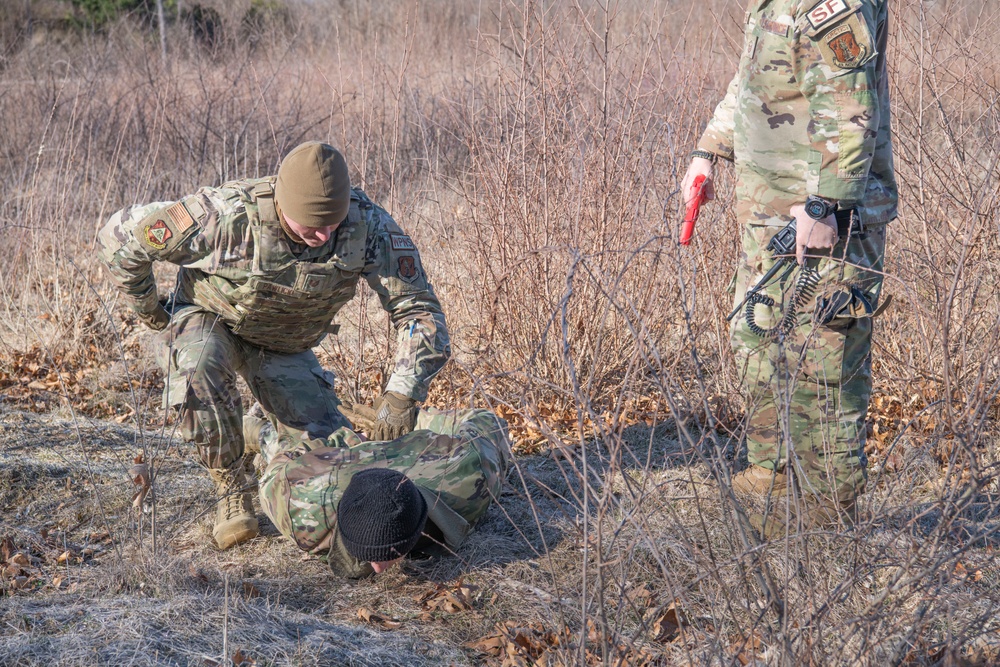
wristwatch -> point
(818, 208)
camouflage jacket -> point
(458, 460)
(235, 261)
(808, 110)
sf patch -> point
(157, 234)
(408, 270)
(826, 11)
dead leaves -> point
(535, 645)
(378, 621)
(38, 379)
(449, 600)
(41, 564)
(517, 644)
(665, 624)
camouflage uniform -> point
(458, 461)
(808, 114)
(251, 302)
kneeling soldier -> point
(264, 266)
(368, 504)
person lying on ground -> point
(366, 505)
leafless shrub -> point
(534, 153)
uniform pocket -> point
(839, 341)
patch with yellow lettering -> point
(846, 44)
(157, 234)
(843, 44)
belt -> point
(849, 223)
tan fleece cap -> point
(313, 187)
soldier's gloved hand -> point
(156, 319)
(395, 415)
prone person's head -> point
(380, 517)
(313, 191)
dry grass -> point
(533, 149)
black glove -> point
(395, 415)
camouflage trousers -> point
(808, 392)
(201, 359)
(461, 456)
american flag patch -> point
(182, 219)
(826, 11)
(401, 242)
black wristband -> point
(712, 157)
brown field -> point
(534, 151)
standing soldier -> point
(265, 265)
(806, 123)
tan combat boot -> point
(788, 517)
(757, 480)
(234, 518)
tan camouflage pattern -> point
(273, 293)
(807, 112)
(458, 460)
(811, 390)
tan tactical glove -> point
(395, 415)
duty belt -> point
(849, 223)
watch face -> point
(816, 209)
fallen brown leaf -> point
(20, 559)
(240, 659)
(372, 618)
(67, 556)
(665, 626)
(450, 600)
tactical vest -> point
(286, 305)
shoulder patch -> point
(826, 11)
(848, 44)
(156, 233)
(164, 229)
(408, 270)
(401, 242)
(181, 217)
(846, 51)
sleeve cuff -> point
(408, 386)
(717, 144)
(846, 192)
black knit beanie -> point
(381, 515)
